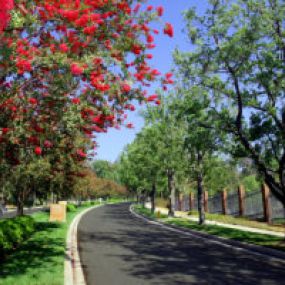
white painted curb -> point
(73, 272)
(209, 240)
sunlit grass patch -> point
(234, 234)
(40, 259)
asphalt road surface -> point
(117, 248)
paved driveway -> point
(117, 248)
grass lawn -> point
(248, 237)
(277, 226)
(40, 259)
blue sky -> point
(112, 143)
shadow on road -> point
(156, 256)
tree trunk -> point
(34, 199)
(152, 197)
(275, 190)
(171, 188)
(20, 204)
(201, 208)
(200, 191)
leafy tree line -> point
(167, 159)
(92, 186)
(227, 108)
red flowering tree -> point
(69, 69)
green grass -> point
(278, 227)
(40, 259)
(146, 212)
(248, 237)
(119, 200)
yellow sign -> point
(57, 213)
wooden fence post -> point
(266, 203)
(191, 201)
(241, 200)
(206, 197)
(224, 201)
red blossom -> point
(5, 7)
(126, 87)
(33, 101)
(76, 69)
(168, 30)
(38, 150)
(160, 11)
(75, 101)
(90, 33)
(63, 47)
(5, 131)
(81, 153)
(152, 98)
(48, 144)
(137, 49)
(150, 38)
(130, 126)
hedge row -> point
(14, 231)
(91, 203)
(71, 208)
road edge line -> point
(73, 272)
(210, 238)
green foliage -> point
(235, 234)
(237, 63)
(156, 150)
(70, 208)
(105, 169)
(146, 212)
(250, 183)
(14, 231)
(220, 174)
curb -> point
(271, 254)
(73, 273)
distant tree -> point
(105, 169)
(91, 187)
(169, 134)
(200, 142)
(221, 174)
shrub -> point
(86, 204)
(70, 208)
(14, 231)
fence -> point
(259, 204)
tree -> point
(105, 169)
(200, 142)
(139, 165)
(91, 187)
(127, 174)
(221, 173)
(159, 150)
(68, 70)
(238, 59)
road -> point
(117, 248)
